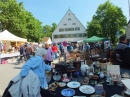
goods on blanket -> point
(76, 56)
(70, 68)
(62, 84)
(53, 86)
(87, 89)
(126, 75)
(62, 66)
(85, 81)
(100, 90)
(66, 79)
(95, 95)
(48, 76)
(57, 76)
(94, 77)
(68, 92)
(127, 93)
(116, 95)
(73, 84)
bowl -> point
(62, 84)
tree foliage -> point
(107, 20)
(17, 20)
(48, 30)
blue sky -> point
(49, 11)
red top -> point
(54, 48)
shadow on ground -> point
(17, 67)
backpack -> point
(61, 46)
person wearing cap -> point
(123, 54)
(49, 54)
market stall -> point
(9, 40)
(95, 39)
(86, 83)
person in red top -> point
(55, 50)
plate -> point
(62, 84)
(73, 84)
(87, 89)
(65, 79)
(68, 92)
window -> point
(61, 30)
(69, 29)
(66, 29)
(69, 14)
(74, 35)
(69, 35)
(69, 19)
(65, 24)
(74, 24)
(64, 36)
(80, 35)
(55, 36)
(61, 36)
(84, 34)
(77, 28)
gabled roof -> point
(45, 39)
(64, 17)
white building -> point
(69, 29)
(128, 31)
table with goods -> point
(74, 79)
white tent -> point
(6, 35)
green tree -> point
(48, 30)
(17, 20)
(107, 20)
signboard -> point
(65, 43)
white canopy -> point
(6, 35)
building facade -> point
(128, 31)
(69, 29)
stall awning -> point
(7, 36)
(95, 39)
